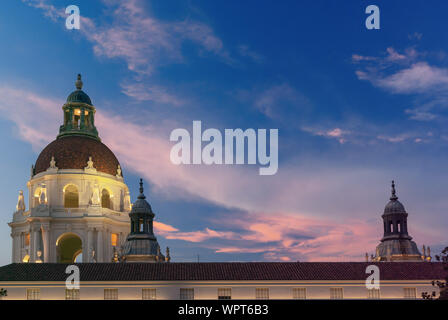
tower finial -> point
(141, 196)
(78, 82)
(393, 196)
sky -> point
(354, 108)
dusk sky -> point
(355, 109)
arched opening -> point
(105, 199)
(87, 120)
(76, 118)
(36, 196)
(71, 197)
(69, 248)
(78, 257)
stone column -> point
(92, 118)
(108, 246)
(87, 255)
(99, 246)
(70, 115)
(46, 242)
(15, 247)
(82, 124)
(34, 242)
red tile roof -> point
(73, 152)
(232, 271)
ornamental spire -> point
(393, 196)
(78, 83)
(141, 195)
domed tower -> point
(78, 201)
(396, 244)
(141, 244)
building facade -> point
(226, 280)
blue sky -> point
(355, 108)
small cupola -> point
(79, 114)
(395, 218)
(141, 244)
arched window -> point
(76, 118)
(71, 197)
(141, 225)
(36, 196)
(105, 199)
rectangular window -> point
(33, 294)
(186, 294)
(336, 293)
(114, 239)
(224, 293)
(110, 294)
(410, 293)
(71, 294)
(262, 293)
(27, 239)
(149, 294)
(299, 293)
(373, 293)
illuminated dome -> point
(73, 152)
(78, 139)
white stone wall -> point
(209, 290)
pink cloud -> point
(336, 133)
(302, 238)
(163, 228)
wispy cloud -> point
(143, 42)
(245, 51)
(335, 133)
(158, 94)
(278, 100)
(415, 36)
(49, 10)
(406, 73)
(418, 78)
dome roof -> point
(394, 206)
(141, 206)
(73, 152)
(79, 96)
